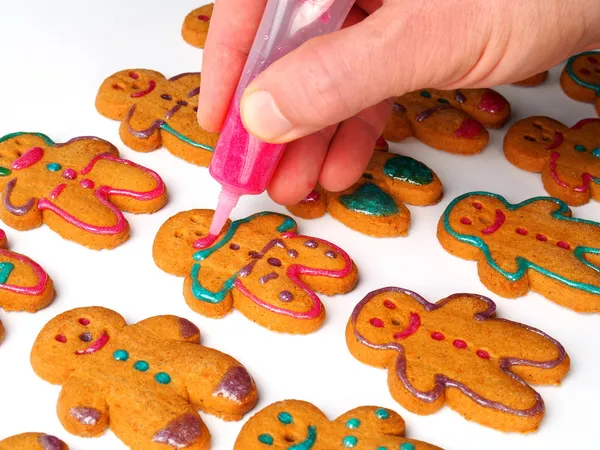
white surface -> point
(54, 57)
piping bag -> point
(242, 163)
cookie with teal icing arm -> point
(453, 121)
(258, 264)
(145, 381)
(32, 441)
(375, 204)
(195, 26)
(580, 79)
(567, 158)
(457, 352)
(533, 245)
(155, 111)
(299, 425)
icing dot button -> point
(443, 100)
(286, 296)
(121, 355)
(522, 231)
(87, 183)
(382, 414)
(382, 448)
(182, 103)
(162, 378)
(596, 152)
(266, 439)
(353, 424)
(541, 237)
(407, 446)
(377, 323)
(274, 262)
(459, 344)
(580, 148)
(69, 174)
(4, 172)
(53, 167)
(234, 246)
(350, 442)
(437, 336)
(563, 244)
(166, 97)
(142, 366)
(292, 253)
(331, 254)
(482, 354)
(311, 244)
(285, 418)
(425, 94)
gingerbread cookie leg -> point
(33, 441)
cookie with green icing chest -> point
(375, 204)
(535, 244)
(580, 79)
(298, 425)
(258, 264)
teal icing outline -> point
(203, 294)
(523, 264)
(46, 139)
(575, 78)
(6, 269)
(169, 129)
(309, 442)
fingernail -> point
(263, 118)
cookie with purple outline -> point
(78, 188)
(195, 25)
(33, 441)
(567, 158)
(259, 265)
(145, 381)
(298, 425)
(533, 245)
(155, 111)
(374, 205)
(453, 121)
(580, 79)
(457, 352)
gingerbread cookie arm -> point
(313, 206)
(398, 126)
(33, 441)
(381, 420)
(170, 327)
(18, 209)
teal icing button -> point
(53, 167)
(407, 446)
(142, 366)
(443, 100)
(266, 439)
(382, 414)
(426, 94)
(350, 442)
(580, 148)
(596, 152)
(162, 378)
(407, 169)
(121, 355)
(285, 418)
(382, 448)
(369, 199)
(352, 424)
(4, 172)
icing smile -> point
(413, 326)
(95, 346)
(150, 88)
(500, 219)
(309, 442)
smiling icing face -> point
(483, 216)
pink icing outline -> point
(500, 219)
(42, 276)
(586, 177)
(57, 191)
(29, 158)
(293, 273)
(583, 122)
(205, 242)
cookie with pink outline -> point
(145, 381)
(33, 441)
(195, 25)
(457, 352)
(259, 265)
(567, 158)
(78, 188)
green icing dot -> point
(407, 169)
(121, 355)
(596, 152)
(353, 424)
(4, 172)
(407, 446)
(285, 418)
(350, 441)
(53, 167)
(142, 366)
(426, 94)
(371, 200)
(162, 378)
(580, 148)
(266, 439)
(382, 414)
(443, 100)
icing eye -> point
(266, 439)
(234, 246)
(425, 94)
(585, 71)
(377, 323)
(83, 321)
(466, 221)
(389, 305)
(331, 254)
(86, 337)
(61, 338)
(118, 87)
(477, 205)
(203, 18)
(592, 60)
(530, 138)
(134, 75)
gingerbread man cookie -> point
(534, 80)
(457, 352)
(145, 381)
(195, 25)
(580, 79)
(24, 285)
(453, 121)
(298, 425)
(78, 188)
(568, 158)
(257, 264)
(534, 245)
(375, 204)
(33, 441)
(155, 111)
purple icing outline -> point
(181, 75)
(268, 277)
(441, 381)
(9, 206)
(459, 97)
(236, 385)
(180, 432)
(430, 112)
(142, 134)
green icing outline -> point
(203, 294)
(575, 77)
(523, 264)
(422, 167)
(347, 198)
(169, 129)
(46, 139)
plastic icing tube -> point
(242, 163)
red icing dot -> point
(84, 321)
(437, 336)
(483, 354)
(522, 231)
(460, 344)
(477, 205)
(585, 71)
(541, 237)
(389, 305)
(134, 75)
(377, 323)
(592, 60)
(61, 338)
(466, 221)
(563, 244)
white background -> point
(54, 56)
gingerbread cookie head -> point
(294, 424)
(77, 188)
(195, 25)
(457, 343)
(375, 204)
(568, 158)
(258, 264)
(33, 441)
(580, 78)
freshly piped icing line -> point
(523, 264)
(586, 177)
(9, 206)
(443, 382)
(575, 77)
(41, 275)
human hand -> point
(331, 97)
